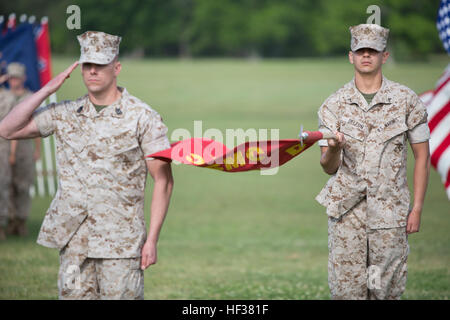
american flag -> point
(443, 23)
(42, 38)
(438, 106)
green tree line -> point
(238, 28)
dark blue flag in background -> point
(443, 23)
(18, 45)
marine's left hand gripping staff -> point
(311, 137)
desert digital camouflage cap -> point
(98, 47)
(369, 36)
(16, 69)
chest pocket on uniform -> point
(77, 145)
(392, 129)
(122, 147)
(392, 135)
(352, 129)
(130, 153)
(354, 136)
(73, 136)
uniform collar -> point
(116, 109)
(383, 95)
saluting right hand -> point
(54, 84)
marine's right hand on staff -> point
(338, 143)
(53, 85)
(330, 158)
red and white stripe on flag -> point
(438, 107)
(42, 38)
(11, 24)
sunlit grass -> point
(242, 235)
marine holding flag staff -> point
(96, 219)
(367, 198)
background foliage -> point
(243, 28)
(242, 235)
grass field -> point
(242, 235)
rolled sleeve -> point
(322, 128)
(420, 133)
(328, 121)
(323, 143)
(417, 113)
(153, 134)
(418, 130)
(45, 119)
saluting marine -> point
(96, 219)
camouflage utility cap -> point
(98, 47)
(369, 36)
(16, 69)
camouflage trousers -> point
(22, 176)
(365, 263)
(83, 278)
(5, 181)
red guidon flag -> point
(438, 108)
(248, 156)
(42, 40)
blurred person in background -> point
(22, 159)
(7, 101)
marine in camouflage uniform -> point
(6, 103)
(368, 199)
(96, 219)
(23, 169)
